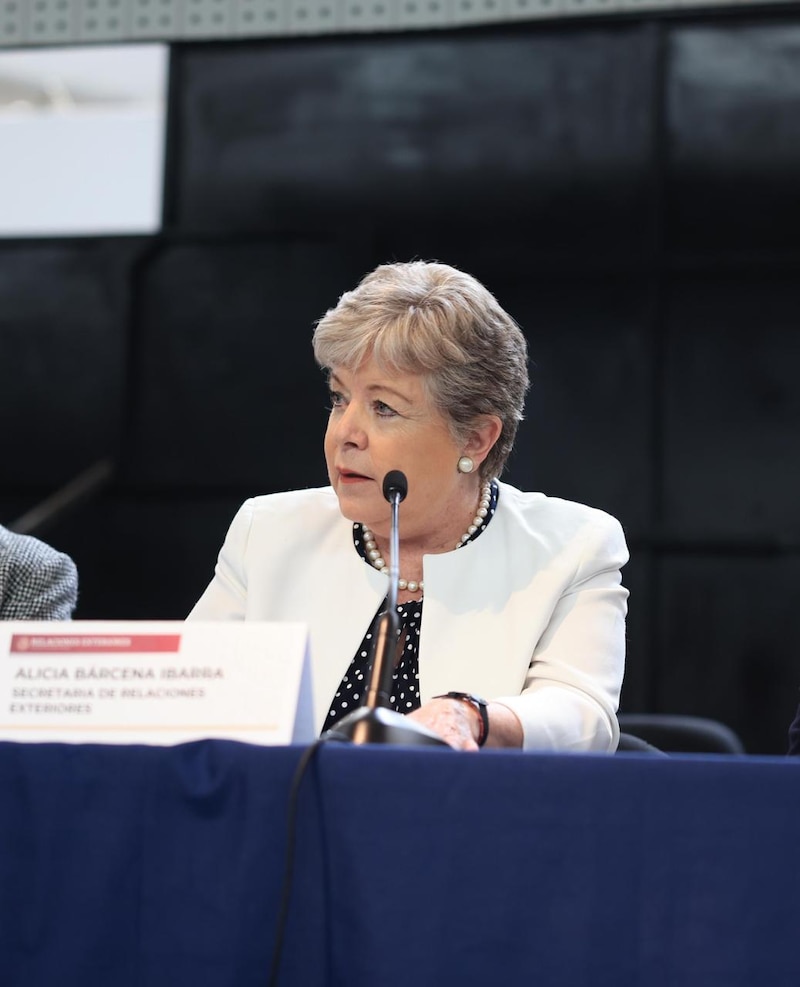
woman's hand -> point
(456, 722)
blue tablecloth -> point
(147, 866)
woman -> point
(511, 600)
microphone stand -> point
(375, 722)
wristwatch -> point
(479, 705)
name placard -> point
(155, 682)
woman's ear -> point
(482, 437)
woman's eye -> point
(384, 410)
(335, 399)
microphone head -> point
(395, 482)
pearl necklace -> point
(374, 555)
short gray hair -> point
(431, 319)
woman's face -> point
(381, 422)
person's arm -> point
(37, 582)
(44, 587)
(571, 691)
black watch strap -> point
(478, 704)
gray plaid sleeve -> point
(36, 581)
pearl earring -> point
(465, 465)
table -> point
(146, 866)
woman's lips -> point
(348, 477)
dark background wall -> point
(628, 189)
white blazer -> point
(530, 614)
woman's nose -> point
(350, 427)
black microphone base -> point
(382, 726)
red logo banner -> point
(82, 644)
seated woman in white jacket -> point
(511, 600)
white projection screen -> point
(82, 135)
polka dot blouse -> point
(405, 678)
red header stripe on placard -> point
(82, 644)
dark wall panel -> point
(228, 391)
(729, 630)
(62, 358)
(734, 132)
(588, 434)
(732, 411)
(533, 135)
(143, 559)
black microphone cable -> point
(288, 871)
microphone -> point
(375, 722)
(379, 690)
(395, 483)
